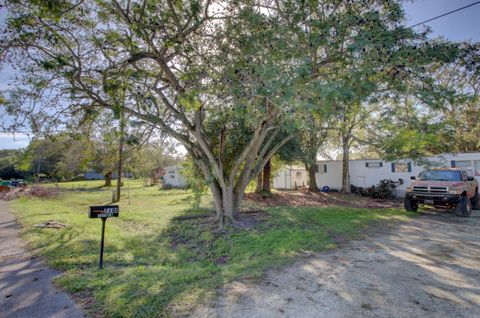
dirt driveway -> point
(26, 289)
(426, 267)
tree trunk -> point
(259, 187)
(225, 205)
(312, 180)
(228, 204)
(266, 176)
(346, 165)
(120, 158)
(228, 190)
(108, 179)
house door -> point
(288, 179)
(361, 182)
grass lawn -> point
(156, 266)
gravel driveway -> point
(426, 267)
(26, 289)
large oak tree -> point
(224, 78)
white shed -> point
(290, 177)
(173, 177)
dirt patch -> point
(320, 199)
(51, 225)
(424, 267)
(30, 191)
(212, 213)
(247, 219)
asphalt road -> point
(26, 288)
(426, 267)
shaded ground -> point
(159, 261)
(426, 267)
(26, 288)
(320, 199)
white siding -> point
(473, 158)
(289, 177)
(173, 177)
(332, 178)
(281, 180)
(363, 176)
(298, 178)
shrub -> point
(385, 189)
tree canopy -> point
(224, 78)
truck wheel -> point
(476, 201)
(463, 207)
(410, 205)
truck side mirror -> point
(470, 178)
(413, 178)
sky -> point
(459, 26)
(10, 141)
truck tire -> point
(410, 205)
(463, 207)
(476, 201)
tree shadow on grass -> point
(146, 275)
(171, 271)
(151, 273)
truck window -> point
(441, 175)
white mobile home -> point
(173, 177)
(367, 172)
(290, 177)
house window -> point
(171, 172)
(172, 177)
(401, 167)
(299, 174)
(321, 169)
(374, 164)
(476, 164)
(464, 165)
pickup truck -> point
(446, 187)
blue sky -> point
(9, 141)
(459, 26)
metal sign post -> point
(103, 212)
(104, 220)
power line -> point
(445, 14)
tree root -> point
(252, 211)
(191, 217)
(238, 224)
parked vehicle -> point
(14, 183)
(6, 183)
(446, 187)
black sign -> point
(103, 211)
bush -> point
(385, 189)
